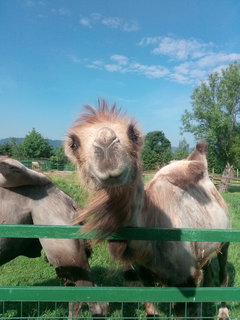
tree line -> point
(214, 117)
(34, 146)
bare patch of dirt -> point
(58, 173)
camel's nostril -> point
(105, 137)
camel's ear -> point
(186, 173)
(15, 174)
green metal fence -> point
(121, 295)
(47, 165)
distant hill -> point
(53, 143)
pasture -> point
(106, 272)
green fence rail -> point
(76, 232)
(120, 294)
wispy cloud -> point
(110, 22)
(214, 59)
(121, 60)
(189, 60)
(113, 22)
(180, 49)
(85, 22)
(61, 11)
(34, 3)
(74, 58)
(122, 64)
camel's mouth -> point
(111, 178)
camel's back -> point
(187, 204)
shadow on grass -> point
(233, 189)
(105, 277)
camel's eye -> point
(74, 142)
(133, 134)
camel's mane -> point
(103, 112)
(108, 210)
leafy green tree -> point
(5, 149)
(17, 151)
(12, 149)
(182, 151)
(156, 151)
(59, 159)
(215, 115)
(35, 146)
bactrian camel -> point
(106, 148)
(29, 197)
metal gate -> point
(33, 297)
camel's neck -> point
(135, 201)
(125, 204)
(116, 207)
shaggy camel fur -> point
(106, 147)
(29, 197)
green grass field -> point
(26, 272)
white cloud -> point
(96, 64)
(122, 60)
(123, 64)
(61, 11)
(183, 68)
(177, 77)
(149, 41)
(189, 60)
(186, 73)
(130, 26)
(110, 22)
(179, 49)
(96, 16)
(214, 59)
(113, 67)
(34, 3)
(151, 71)
(85, 22)
(74, 58)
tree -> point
(35, 146)
(156, 151)
(5, 149)
(215, 114)
(11, 149)
(182, 151)
(17, 151)
(59, 159)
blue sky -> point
(147, 56)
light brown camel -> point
(106, 148)
(29, 197)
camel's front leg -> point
(223, 312)
(141, 277)
(133, 276)
(192, 310)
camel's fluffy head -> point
(105, 146)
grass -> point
(26, 272)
